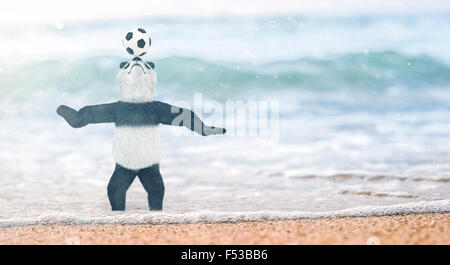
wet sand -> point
(401, 229)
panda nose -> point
(137, 59)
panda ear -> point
(122, 64)
(152, 65)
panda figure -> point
(137, 144)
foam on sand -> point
(442, 206)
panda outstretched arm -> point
(103, 113)
(176, 116)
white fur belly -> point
(137, 147)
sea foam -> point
(159, 218)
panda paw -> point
(70, 115)
(211, 130)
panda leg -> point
(118, 185)
(152, 181)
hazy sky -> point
(27, 12)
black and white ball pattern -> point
(137, 42)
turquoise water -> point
(367, 73)
(364, 117)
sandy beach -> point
(402, 229)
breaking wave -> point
(373, 72)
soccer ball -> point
(137, 42)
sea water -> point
(363, 118)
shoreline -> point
(429, 228)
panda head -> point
(137, 80)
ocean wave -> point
(371, 71)
(442, 206)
